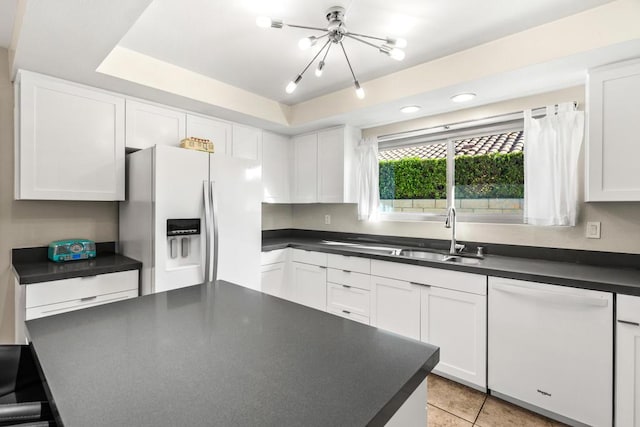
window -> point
(480, 169)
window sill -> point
(466, 218)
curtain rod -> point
(537, 112)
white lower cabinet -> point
(628, 362)
(274, 277)
(60, 296)
(349, 302)
(309, 283)
(272, 280)
(395, 306)
(457, 323)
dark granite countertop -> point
(623, 280)
(221, 354)
(31, 265)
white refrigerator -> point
(191, 217)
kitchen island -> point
(221, 354)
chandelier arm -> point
(326, 53)
(348, 62)
(369, 37)
(314, 58)
(305, 27)
(362, 41)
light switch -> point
(593, 230)
(327, 219)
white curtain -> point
(551, 150)
(367, 179)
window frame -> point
(450, 137)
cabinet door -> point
(395, 306)
(216, 131)
(457, 323)
(276, 168)
(309, 283)
(628, 362)
(272, 280)
(612, 144)
(331, 166)
(148, 125)
(246, 142)
(69, 141)
(305, 168)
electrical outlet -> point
(593, 230)
(327, 219)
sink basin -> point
(383, 250)
(461, 260)
(435, 256)
(417, 253)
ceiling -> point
(211, 58)
(219, 38)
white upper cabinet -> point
(70, 141)
(148, 125)
(305, 168)
(246, 142)
(323, 166)
(217, 131)
(336, 153)
(613, 102)
(276, 168)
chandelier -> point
(335, 33)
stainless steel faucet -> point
(450, 222)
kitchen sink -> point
(435, 256)
(382, 250)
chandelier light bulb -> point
(320, 69)
(307, 42)
(293, 84)
(291, 87)
(397, 54)
(263, 21)
(359, 90)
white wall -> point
(620, 221)
(36, 223)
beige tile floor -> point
(454, 405)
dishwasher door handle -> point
(552, 296)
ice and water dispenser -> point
(183, 242)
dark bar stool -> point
(23, 401)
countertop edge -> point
(93, 271)
(475, 269)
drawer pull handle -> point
(346, 312)
(88, 298)
(88, 277)
(346, 271)
(347, 286)
(626, 322)
(322, 267)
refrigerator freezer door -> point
(179, 181)
(238, 194)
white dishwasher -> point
(552, 347)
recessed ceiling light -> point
(463, 97)
(410, 109)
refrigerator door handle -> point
(207, 227)
(214, 221)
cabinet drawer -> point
(350, 316)
(628, 308)
(348, 300)
(272, 257)
(456, 280)
(78, 288)
(346, 277)
(350, 263)
(309, 257)
(63, 307)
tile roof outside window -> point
(500, 143)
